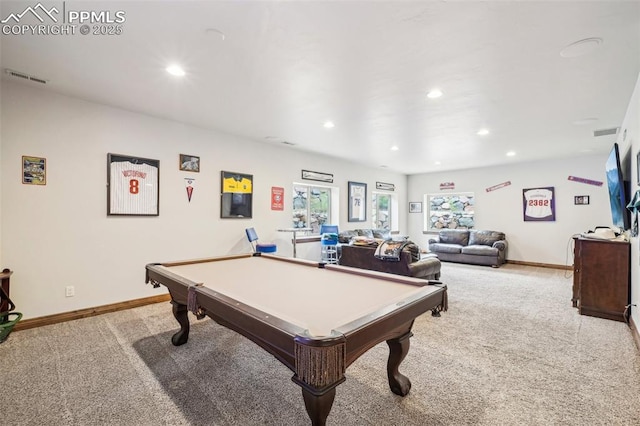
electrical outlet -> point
(69, 291)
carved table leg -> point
(318, 406)
(398, 349)
(319, 367)
(180, 313)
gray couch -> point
(470, 246)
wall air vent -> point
(606, 132)
(24, 76)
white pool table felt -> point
(315, 299)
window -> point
(311, 207)
(381, 215)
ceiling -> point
(276, 71)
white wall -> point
(502, 209)
(543, 242)
(59, 234)
(630, 144)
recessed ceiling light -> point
(434, 93)
(394, 148)
(175, 70)
(329, 125)
(581, 47)
(511, 154)
(437, 163)
(483, 132)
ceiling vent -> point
(24, 76)
(606, 132)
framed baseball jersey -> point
(132, 186)
(539, 204)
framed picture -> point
(277, 198)
(539, 204)
(132, 186)
(236, 195)
(385, 186)
(189, 163)
(455, 211)
(415, 207)
(320, 177)
(581, 200)
(34, 170)
(357, 202)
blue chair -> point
(329, 243)
(252, 236)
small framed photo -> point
(34, 170)
(581, 200)
(189, 163)
(415, 207)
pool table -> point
(316, 319)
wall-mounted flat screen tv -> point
(617, 190)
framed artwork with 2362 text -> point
(539, 204)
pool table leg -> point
(180, 313)
(318, 405)
(398, 349)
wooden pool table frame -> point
(318, 364)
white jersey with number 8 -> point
(134, 188)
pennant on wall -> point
(498, 186)
(447, 185)
(587, 181)
(189, 184)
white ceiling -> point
(284, 68)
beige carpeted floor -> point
(510, 351)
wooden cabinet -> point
(601, 278)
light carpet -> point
(510, 351)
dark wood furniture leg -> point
(319, 368)
(4, 302)
(398, 349)
(180, 313)
(318, 405)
